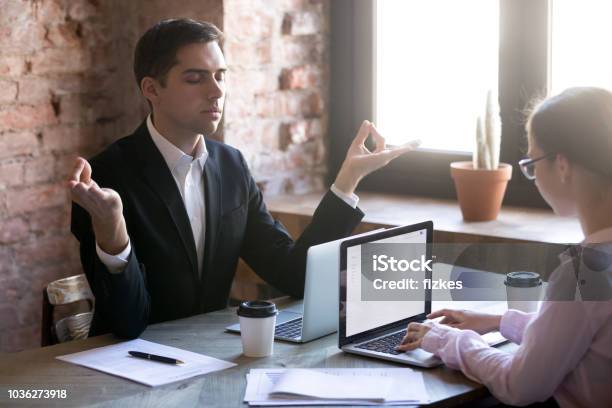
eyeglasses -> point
(527, 165)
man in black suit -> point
(169, 213)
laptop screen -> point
(363, 315)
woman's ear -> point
(564, 168)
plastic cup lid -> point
(257, 308)
(523, 279)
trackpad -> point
(421, 358)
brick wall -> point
(67, 89)
(63, 77)
(277, 52)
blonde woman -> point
(565, 349)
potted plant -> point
(481, 183)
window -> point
(435, 62)
(406, 65)
(580, 44)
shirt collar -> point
(598, 237)
(172, 155)
(603, 236)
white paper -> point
(317, 384)
(408, 387)
(115, 360)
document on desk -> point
(335, 386)
(115, 360)
(317, 384)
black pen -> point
(154, 357)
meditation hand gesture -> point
(103, 205)
(360, 161)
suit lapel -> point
(158, 176)
(212, 186)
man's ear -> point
(150, 89)
(564, 167)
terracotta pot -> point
(480, 192)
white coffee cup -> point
(257, 324)
(523, 291)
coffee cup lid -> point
(257, 308)
(523, 279)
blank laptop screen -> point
(361, 315)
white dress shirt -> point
(187, 172)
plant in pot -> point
(481, 183)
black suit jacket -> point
(161, 280)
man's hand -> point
(481, 323)
(103, 205)
(360, 161)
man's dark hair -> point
(156, 50)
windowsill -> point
(515, 223)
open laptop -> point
(374, 327)
(317, 315)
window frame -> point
(523, 75)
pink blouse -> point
(565, 350)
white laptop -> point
(375, 327)
(317, 315)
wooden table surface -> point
(39, 369)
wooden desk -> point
(38, 369)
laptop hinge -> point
(358, 338)
(375, 333)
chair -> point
(64, 292)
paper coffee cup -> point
(257, 324)
(523, 291)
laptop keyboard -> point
(291, 329)
(385, 344)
